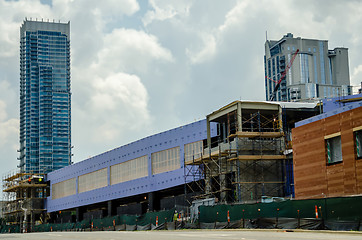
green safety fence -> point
(342, 208)
(82, 224)
(10, 229)
(108, 222)
(105, 222)
(151, 217)
(128, 219)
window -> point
(63, 189)
(166, 160)
(193, 151)
(93, 180)
(132, 169)
(358, 144)
(334, 149)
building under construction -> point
(239, 153)
(250, 158)
(24, 196)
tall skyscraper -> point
(45, 97)
(315, 73)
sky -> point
(143, 67)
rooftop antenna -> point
(266, 35)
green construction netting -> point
(150, 217)
(105, 222)
(9, 229)
(108, 222)
(343, 208)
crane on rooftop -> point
(284, 73)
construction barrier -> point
(9, 229)
(341, 209)
(333, 214)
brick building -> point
(327, 151)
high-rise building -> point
(315, 73)
(45, 97)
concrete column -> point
(151, 201)
(207, 185)
(223, 187)
(78, 214)
(109, 208)
(239, 118)
(208, 133)
(32, 221)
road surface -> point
(189, 235)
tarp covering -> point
(333, 214)
(343, 208)
(9, 229)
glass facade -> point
(322, 64)
(45, 97)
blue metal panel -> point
(331, 104)
(332, 109)
(173, 138)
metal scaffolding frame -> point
(24, 195)
(246, 160)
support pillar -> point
(109, 208)
(79, 214)
(32, 221)
(151, 201)
(222, 188)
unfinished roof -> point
(260, 105)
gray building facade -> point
(45, 97)
(315, 73)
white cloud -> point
(11, 15)
(117, 101)
(356, 77)
(206, 53)
(130, 50)
(166, 9)
(8, 127)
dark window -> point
(334, 150)
(358, 144)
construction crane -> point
(284, 73)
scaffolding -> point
(24, 195)
(245, 161)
